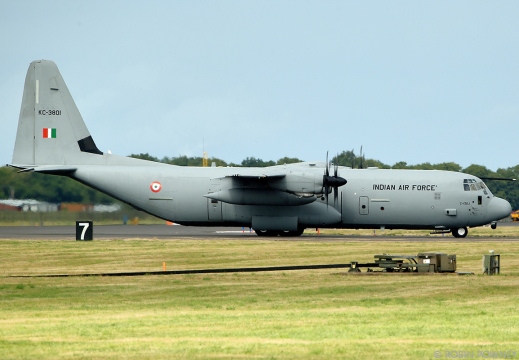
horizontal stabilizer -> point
(50, 169)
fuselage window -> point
(484, 187)
(473, 185)
(466, 183)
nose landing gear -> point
(459, 232)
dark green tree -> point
(145, 156)
(254, 162)
(287, 160)
(478, 170)
(400, 165)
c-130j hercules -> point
(278, 200)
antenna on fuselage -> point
(205, 156)
(496, 178)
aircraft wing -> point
(246, 178)
(267, 188)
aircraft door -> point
(477, 210)
(214, 209)
(363, 205)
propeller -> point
(332, 181)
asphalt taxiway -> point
(165, 232)
(121, 232)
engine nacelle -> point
(269, 197)
(301, 184)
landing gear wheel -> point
(287, 233)
(266, 232)
(459, 232)
(298, 232)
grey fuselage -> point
(372, 198)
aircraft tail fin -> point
(51, 130)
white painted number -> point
(85, 227)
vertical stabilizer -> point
(51, 130)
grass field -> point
(315, 314)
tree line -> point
(58, 189)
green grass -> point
(318, 314)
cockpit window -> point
(473, 185)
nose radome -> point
(498, 208)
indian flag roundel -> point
(49, 133)
(155, 186)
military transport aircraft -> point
(278, 200)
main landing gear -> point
(298, 232)
(459, 232)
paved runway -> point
(166, 232)
(121, 232)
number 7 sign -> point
(84, 230)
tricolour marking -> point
(155, 186)
(49, 133)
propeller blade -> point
(335, 166)
(327, 190)
(327, 173)
(332, 182)
(335, 196)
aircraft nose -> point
(498, 208)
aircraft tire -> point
(459, 232)
(298, 232)
(266, 232)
